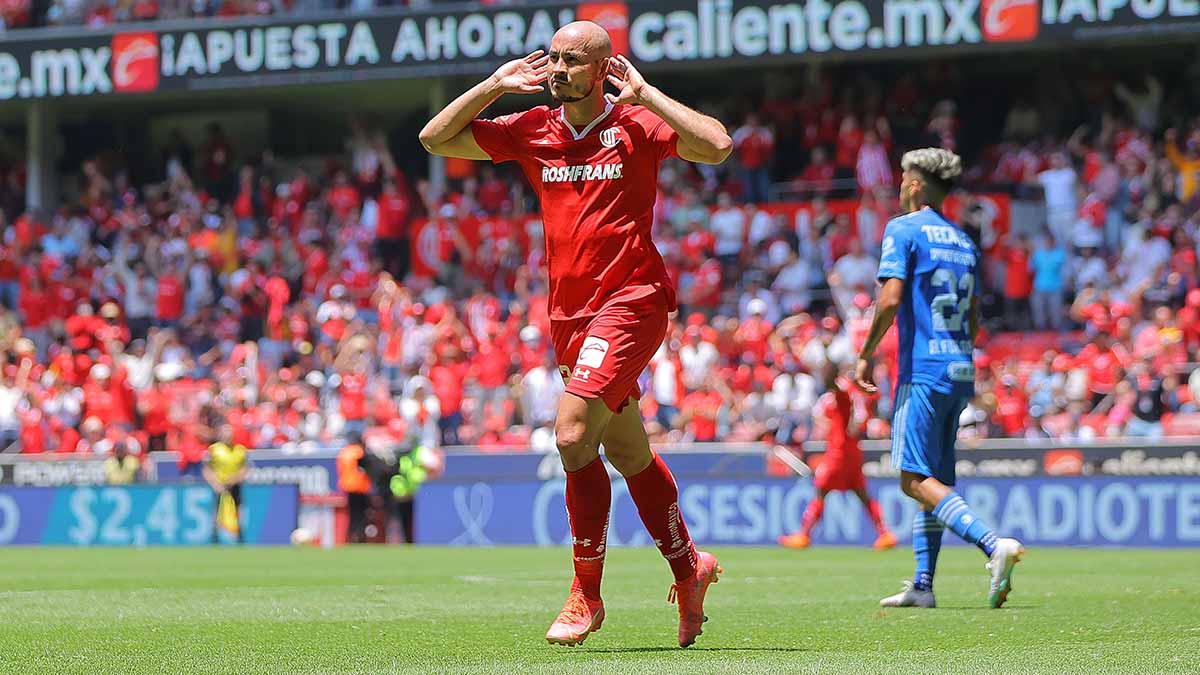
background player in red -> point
(594, 165)
(841, 467)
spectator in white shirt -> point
(868, 226)
(698, 356)
(541, 389)
(728, 223)
(1143, 106)
(853, 273)
(794, 285)
(421, 411)
(795, 394)
(755, 296)
(1089, 271)
(1058, 184)
(762, 225)
(664, 382)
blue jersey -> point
(938, 263)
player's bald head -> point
(585, 37)
(579, 57)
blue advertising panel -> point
(139, 515)
(315, 474)
(1090, 511)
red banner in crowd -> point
(433, 241)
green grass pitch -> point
(439, 610)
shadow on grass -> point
(959, 608)
(633, 650)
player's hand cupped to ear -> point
(525, 75)
(628, 81)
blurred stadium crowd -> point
(287, 303)
(99, 13)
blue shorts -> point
(924, 428)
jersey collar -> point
(562, 114)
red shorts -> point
(602, 356)
(842, 473)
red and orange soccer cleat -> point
(885, 541)
(796, 540)
(578, 618)
(689, 593)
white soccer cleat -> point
(1007, 554)
(910, 597)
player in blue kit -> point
(928, 270)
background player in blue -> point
(928, 271)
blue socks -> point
(927, 542)
(954, 513)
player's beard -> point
(573, 99)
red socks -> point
(589, 496)
(876, 516)
(811, 515)
(816, 507)
(654, 492)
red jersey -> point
(170, 297)
(392, 220)
(597, 191)
(447, 379)
(841, 447)
(354, 396)
(705, 407)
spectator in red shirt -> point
(33, 428)
(246, 204)
(1012, 407)
(849, 141)
(104, 397)
(817, 177)
(152, 406)
(449, 375)
(490, 370)
(493, 192)
(393, 239)
(1105, 361)
(754, 145)
(353, 390)
(343, 196)
(36, 308)
(1018, 284)
(701, 409)
(169, 306)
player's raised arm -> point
(701, 138)
(449, 132)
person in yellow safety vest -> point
(354, 481)
(412, 470)
(121, 468)
(409, 476)
(225, 472)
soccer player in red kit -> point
(841, 467)
(594, 163)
